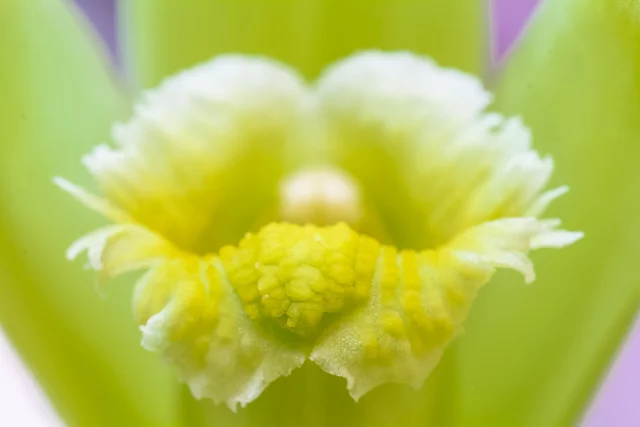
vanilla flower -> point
(350, 222)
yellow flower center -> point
(297, 274)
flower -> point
(531, 355)
(458, 190)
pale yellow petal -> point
(505, 243)
(418, 302)
(189, 313)
(212, 137)
(119, 248)
(93, 202)
(427, 154)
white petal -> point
(505, 243)
(214, 136)
(116, 249)
(545, 199)
(93, 202)
(417, 137)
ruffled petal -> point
(428, 156)
(205, 140)
(119, 248)
(418, 302)
(190, 314)
(504, 243)
(93, 202)
(232, 323)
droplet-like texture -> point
(457, 190)
(296, 274)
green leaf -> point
(534, 356)
(163, 36)
(58, 100)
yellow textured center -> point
(296, 274)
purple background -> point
(509, 18)
(617, 402)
